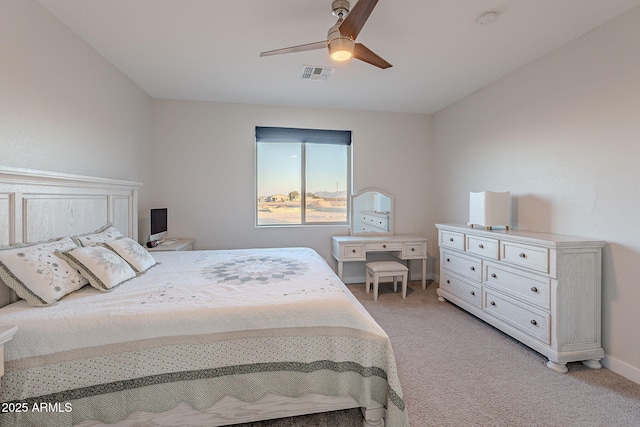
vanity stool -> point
(378, 269)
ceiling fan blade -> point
(299, 48)
(363, 53)
(357, 17)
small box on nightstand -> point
(490, 209)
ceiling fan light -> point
(341, 48)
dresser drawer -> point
(488, 248)
(414, 250)
(375, 222)
(468, 291)
(451, 239)
(533, 257)
(526, 319)
(463, 265)
(383, 247)
(520, 284)
(355, 251)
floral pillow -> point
(105, 234)
(103, 268)
(132, 252)
(38, 274)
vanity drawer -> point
(451, 239)
(533, 257)
(463, 265)
(528, 320)
(461, 288)
(354, 251)
(488, 248)
(383, 247)
(414, 250)
(527, 286)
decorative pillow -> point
(132, 252)
(38, 274)
(104, 234)
(103, 268)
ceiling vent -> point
(310, 72)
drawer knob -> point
(473, 293)
(353, 250)
(448, 281)
(492, 303)
(522, 255)
(413, 249)
(494, 275)
(473, 269)
(451, 239)
(534, 323)
(534, 289)
(448, 260)
(384, 246)
(481, 246)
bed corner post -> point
(133, 215)
(373, 417)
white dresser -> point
(542, 289)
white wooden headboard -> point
(38, 205)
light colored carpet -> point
(456, 370)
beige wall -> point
(204, 155)
(562, 134)
(63, 107)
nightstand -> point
(173, 245)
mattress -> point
(195, 328)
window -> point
(303, 176)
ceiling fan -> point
(341, 37)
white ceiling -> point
(209, 49)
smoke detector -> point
(487, 18)
(312, 72)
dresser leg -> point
(557, 367)
(592, 363)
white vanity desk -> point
(403, 246)
(372, 231)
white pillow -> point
(104, 234)
(132, 252)
(38, 274)
(103, 268)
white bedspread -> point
(201, 323)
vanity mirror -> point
(371, 212)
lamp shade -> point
(489, 209)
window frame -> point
(304, 137)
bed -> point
(225, 336)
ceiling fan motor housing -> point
(334, 32)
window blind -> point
(315, 136)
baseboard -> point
(621, 368)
